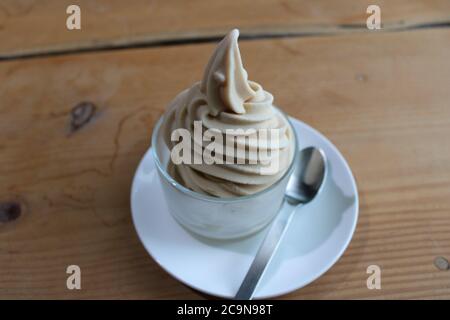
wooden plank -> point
(383, 99)
(33, 27)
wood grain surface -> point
(39, 26)
(65, 173)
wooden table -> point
(383, 97)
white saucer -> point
(316, 238)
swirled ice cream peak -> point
(225, 81)
(230, 107)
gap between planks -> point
(186, 39)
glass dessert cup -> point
(218, 218)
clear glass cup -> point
(212, 217)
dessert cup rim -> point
(209, 198)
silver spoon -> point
(304, 184)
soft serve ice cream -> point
(226, 103)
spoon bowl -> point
(307, 178)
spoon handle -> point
(266, 252)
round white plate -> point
(317, 236)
